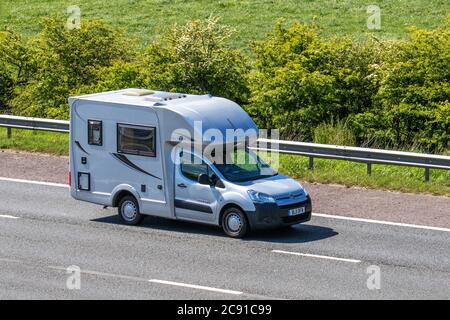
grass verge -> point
(35, 141)
(144, 19)
(396, 178)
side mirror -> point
(215, 181)
(203, 179)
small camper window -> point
(95, 132)
(137, 140)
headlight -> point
(259, 196)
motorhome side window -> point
(95, 135)
(137, 140)
(192, 167)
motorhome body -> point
(128, 150)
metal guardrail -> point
(33, 124)
(357, 154)
(311, 150)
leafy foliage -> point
(14, 69)
(337, 133)
(387, 94)
(412, 104)
(60, 61)
(195, 58)
(301, 80)
(393, 94)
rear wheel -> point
(234, 223)
(129, 211)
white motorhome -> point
(128, 150)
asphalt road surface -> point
(43, 231)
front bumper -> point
(271, 215)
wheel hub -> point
(129, 210)
(234, 222)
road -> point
(337, 199)
(43, 231)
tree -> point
(415, 92)
(64, 60)
(301, 80)
(195, 58)
(14, 65)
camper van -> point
(144, 152)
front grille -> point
(306, 203)
(289, 195)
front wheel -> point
(129, 211)
(234, 223)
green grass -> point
(144, 19)
(35, 141)
(396, 178)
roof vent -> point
(138, 92)
(166, 96)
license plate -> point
(296, 211)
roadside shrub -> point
(6, 88)
(14, 66)
(118, 76)
(301, 80)
(384, 94)
(64, 60)
(195, 58)
(334, 133)
(412, 102)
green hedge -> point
(389, 94)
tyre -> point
(129, 211)
(234, 223)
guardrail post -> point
(9, 132)
(427, 174)
(369, 168)
(311, 163)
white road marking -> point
(397, 224)
(193, 286)
(323, 215)
(316, 256)
(50, 184)
(10, 260)
(8, 216)
(102, 274)
(179, 284)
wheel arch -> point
(232, 205)
(121, 191)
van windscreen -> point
(242, 165)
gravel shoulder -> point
(419, 209)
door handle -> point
(182, 185)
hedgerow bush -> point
(6, 87)
(392, 94)
(196, 58)
(14, 69)
(60, 61)
(338, 133)
(412, 103)
(119, 75)
(301, 80)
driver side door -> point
(194, 201)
